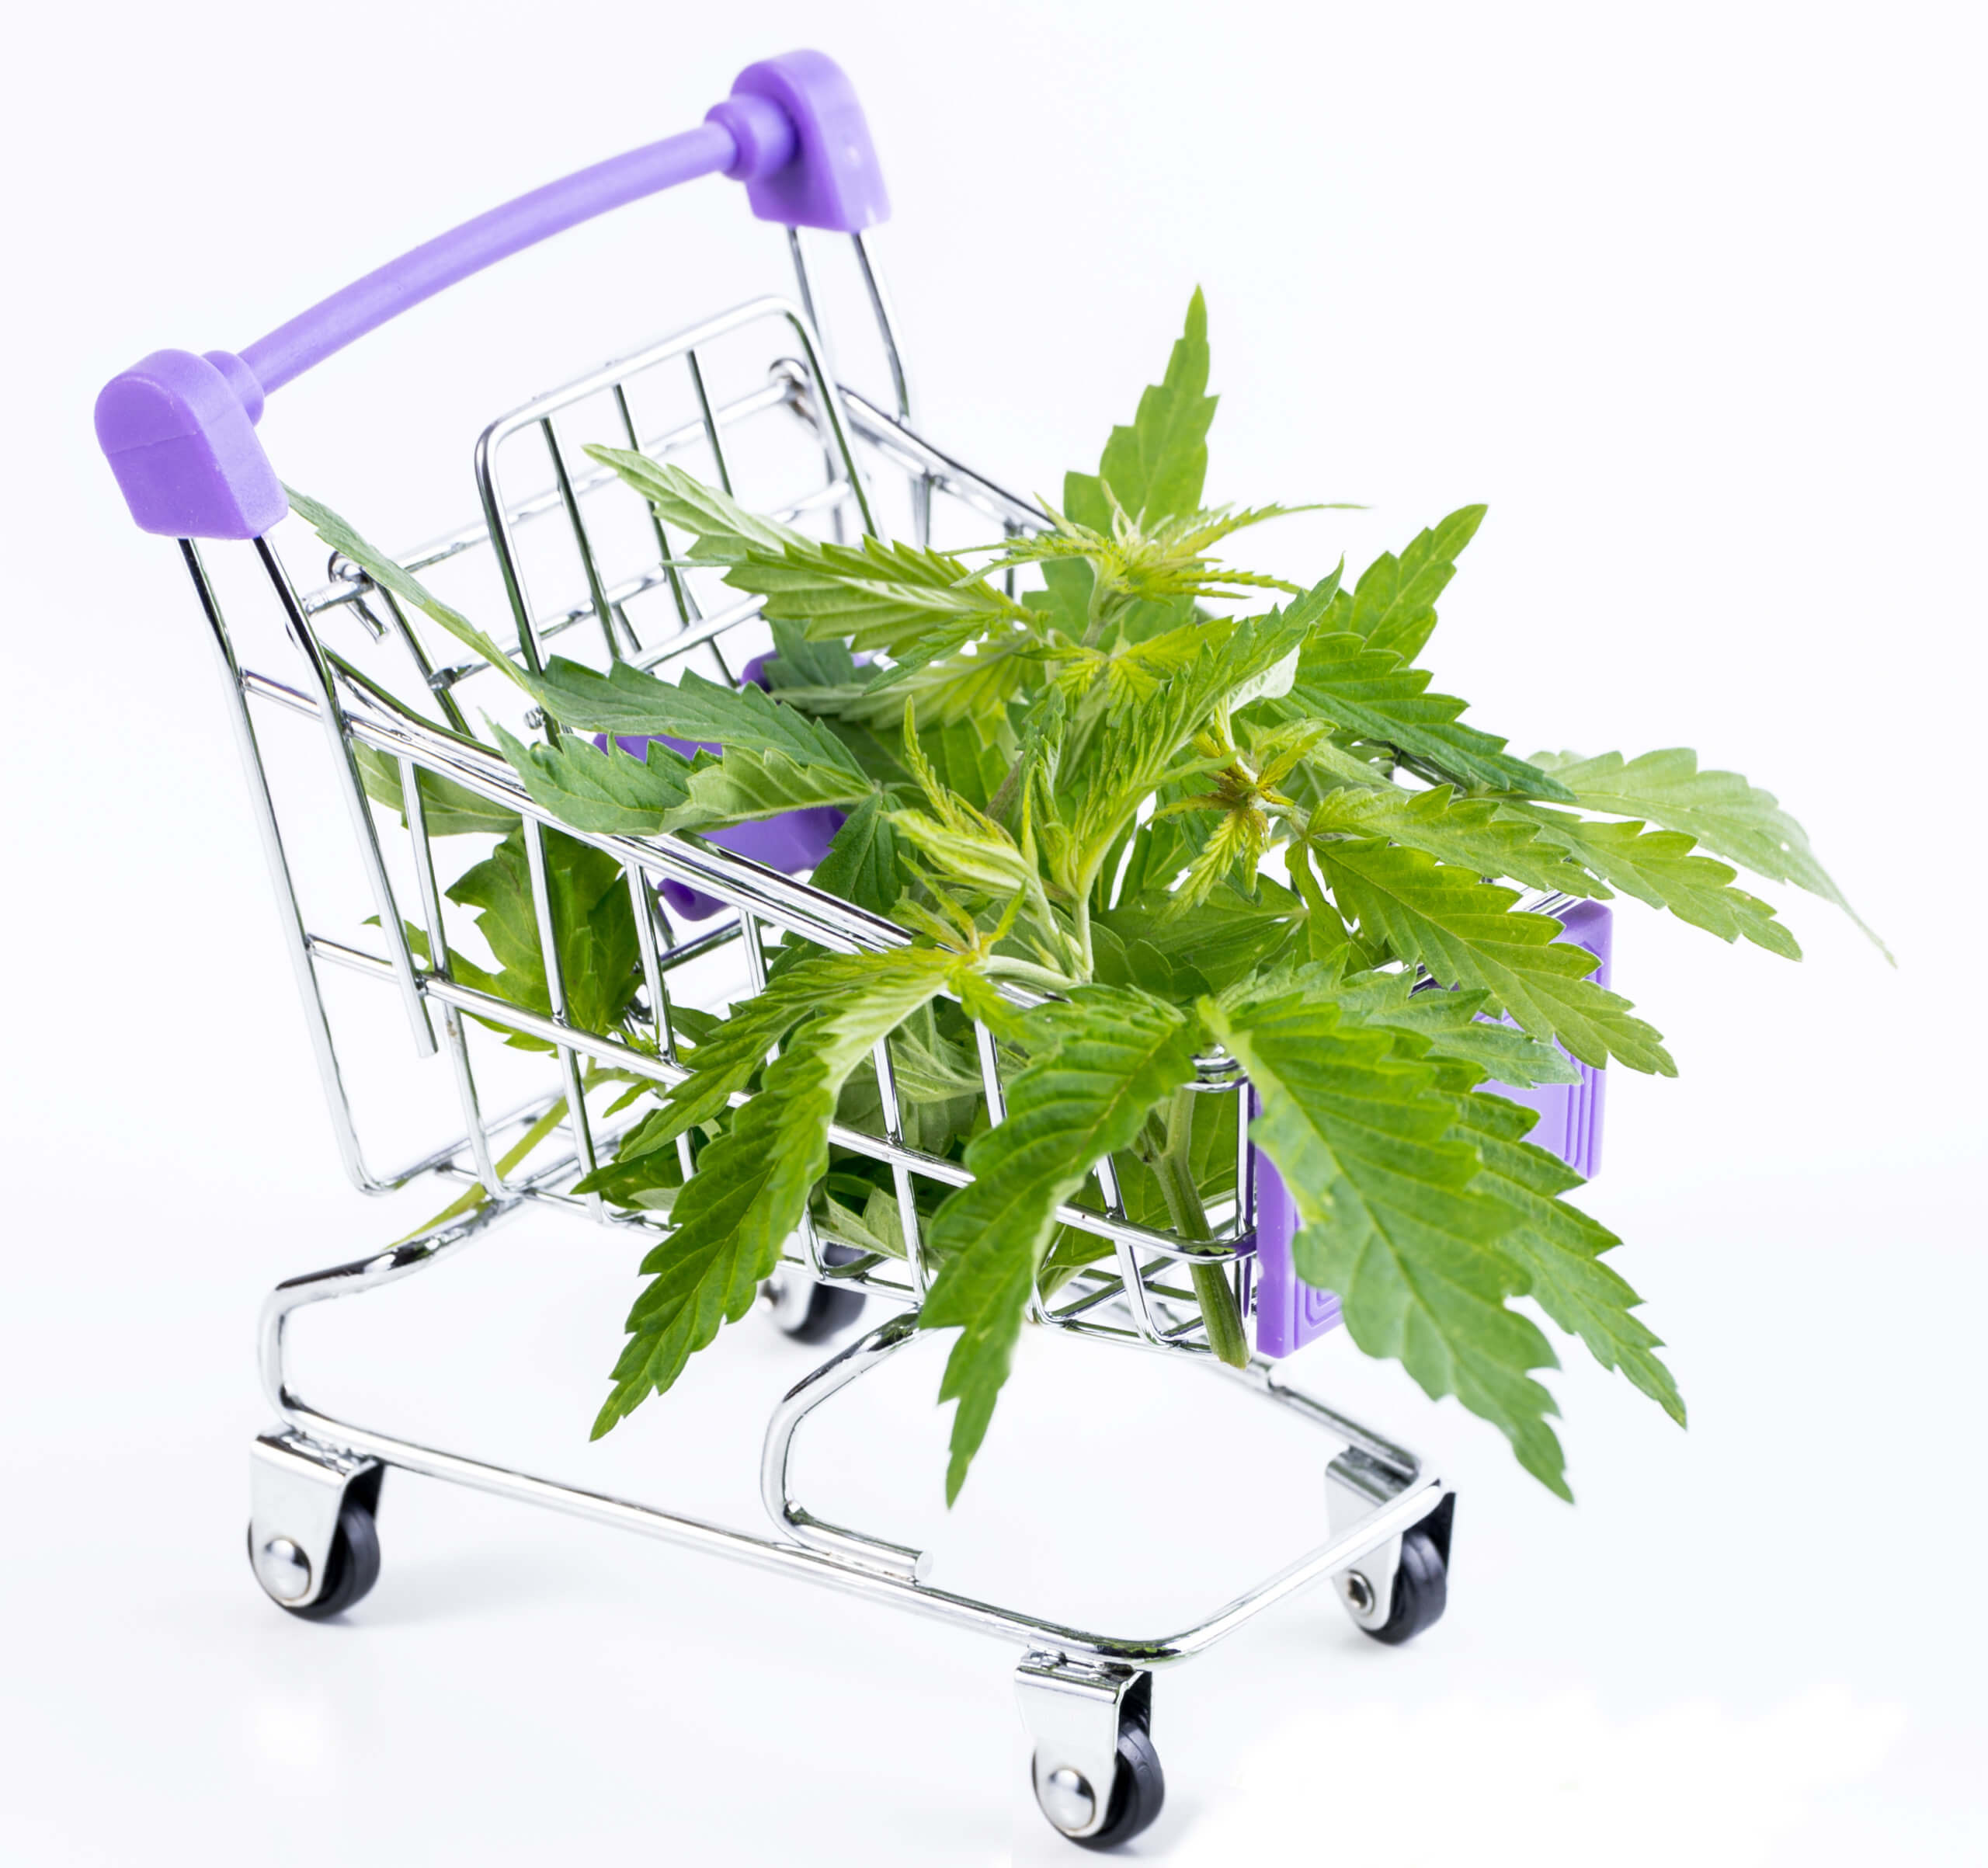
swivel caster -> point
(809, 1312)
(1074, 1712)
(352, 1567)
(1421, 1593)
(313, 1543)
(1396, 1591)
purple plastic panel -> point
(1290, 1313)
(1570, 1123)
(790, 843)
(180, 429)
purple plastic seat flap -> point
(1290, 1313)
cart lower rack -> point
(378, 707)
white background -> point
(1691, 295)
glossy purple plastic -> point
(179, 430)
(184, 449)
(835, 182)
(1290, 1313)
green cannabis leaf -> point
(1157, 467)
(1721, 809)
(1092, 765)
(1096, 1065)
(1467, 934)
(1394, 1220)
(341, 537)
(1559, 1248)
(1372, 694)
(625, 702)
(753, 1182)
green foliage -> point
(595, 921)
(626, 701)
(340, 536)
(1479, 834)
(1372, 694)
(1466, 933)
(1456, 1025)
(1176, 815)
(448, 809)
(607, 790)
(1155, 469)
(862, 865)
(1559, 1248)
(753, 1182)
(1097, 1064)
(1394, 1220)
(1393, 606)
(1721, 809)
(1658, 867)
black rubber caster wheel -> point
(830, 1308)
(1422, 1590)
(351, 1570)
(1137, 1796)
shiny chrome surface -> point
(1073, 1683)
(777, 1493)
(1357, 1486)
(858, 1574)
(283, 1570)
(1072, 1711)
(297, 1487)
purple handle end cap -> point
(763, 132)
(179, 435)
(829, 178)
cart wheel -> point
(350, 1571)
(1136, 1797)
(812, 1313)
(831, 1307)
(1422, 1591)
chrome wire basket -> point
(384, 705)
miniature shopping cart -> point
(368, 780)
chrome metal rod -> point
(351, 788)
(801, 1400)
(849, 1577)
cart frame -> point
(179, 431)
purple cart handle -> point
(179, 429)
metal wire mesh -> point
(583, 565)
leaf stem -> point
(1173, 1166)
(475, 1197)
(1002, 966)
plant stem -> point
(1173, 1166)
(470, 1201)
(1003, 967)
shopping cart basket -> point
(385, 709)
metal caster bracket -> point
(297, 1488)
(1357, 1485)
(1074, 1713)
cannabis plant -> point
(1173, 807)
